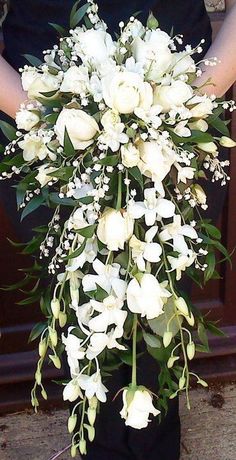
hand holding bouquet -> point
(114, 140)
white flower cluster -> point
(116, 131)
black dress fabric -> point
(26, 31)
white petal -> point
(151, 233)
(152, 252)
(165, 208)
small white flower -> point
(105, 275)
(35, 148)
(74, 351)
(181, 262)
(113, 134)
(130, 155)
(142, 251)
(93, 386)
(101, 340)
(26, 119)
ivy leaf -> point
(34, 204)
(61, 30)
(8, 130)
(136, 174)
(33, 60)
(37, 331)
(68, 146)
(87, 232)
(151, 340)
(77, 252)
(78, 15)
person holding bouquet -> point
(26, 31)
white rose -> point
(75, 80)
(182, 63)
(125, 91)
(199, 125)
(227, 142)
(147, 297)
(34, 148)
(26, 119)
(36, 83)
(155, 162)
(130, 155)
(42, 176)
(202, 106)
(137, 408)
(172, 96)
(80, 126)
(153, 52)
(115, 228)
(94, 44)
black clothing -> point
(26, 31)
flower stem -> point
(134, 357)
(119, 192)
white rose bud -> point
(80, 126)
(55, 307)
(62, 319)
(199, 125)
(72, 421)
(191, 350)
(167, 337)
(75, 80)
(36, 83)
(115, 228)
(91, 416)
(42, 347)
(182, 381)
(227, 142)
(26, 119)
(174, 95)
(82, 447)
(181, 306)
(56, 361)
(209, 147)
(53, 336)
(137, 407)
(125, 91)
(200, 194)
(130, 155)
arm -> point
(223, 75)
(11, 92)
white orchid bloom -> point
(101, 340)
(93, 386)
(181, 262)
(72, 391)
(145, 250)
(77, 220)
(84, 313)
(110, 309)
(152, 208)
(147, 297)
(113, 134)
(88, 255)
(74, 351)
(184, 173)
(176, 232)
(104, 277)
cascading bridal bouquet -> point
(114, 140)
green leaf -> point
(33, 204)
(64, 173)
(78, 15)
(87, 232)
(49, 93)
(136, 174)
(68, 146)
(33, 60)
(159, 324)
(110, 160)
(77, 252)
(218, 124)
(203, 335)
(160, 354)
(152, 22)
(37, 331)
(29, 300)
(18, 285)
(126, 357)
(151, 340)
(100, 293)
(61, 30)
(8, 130)
(122, 259)
(54, 198)
(51, 118)
(212, 230)
(213, 329)
(211, 263)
